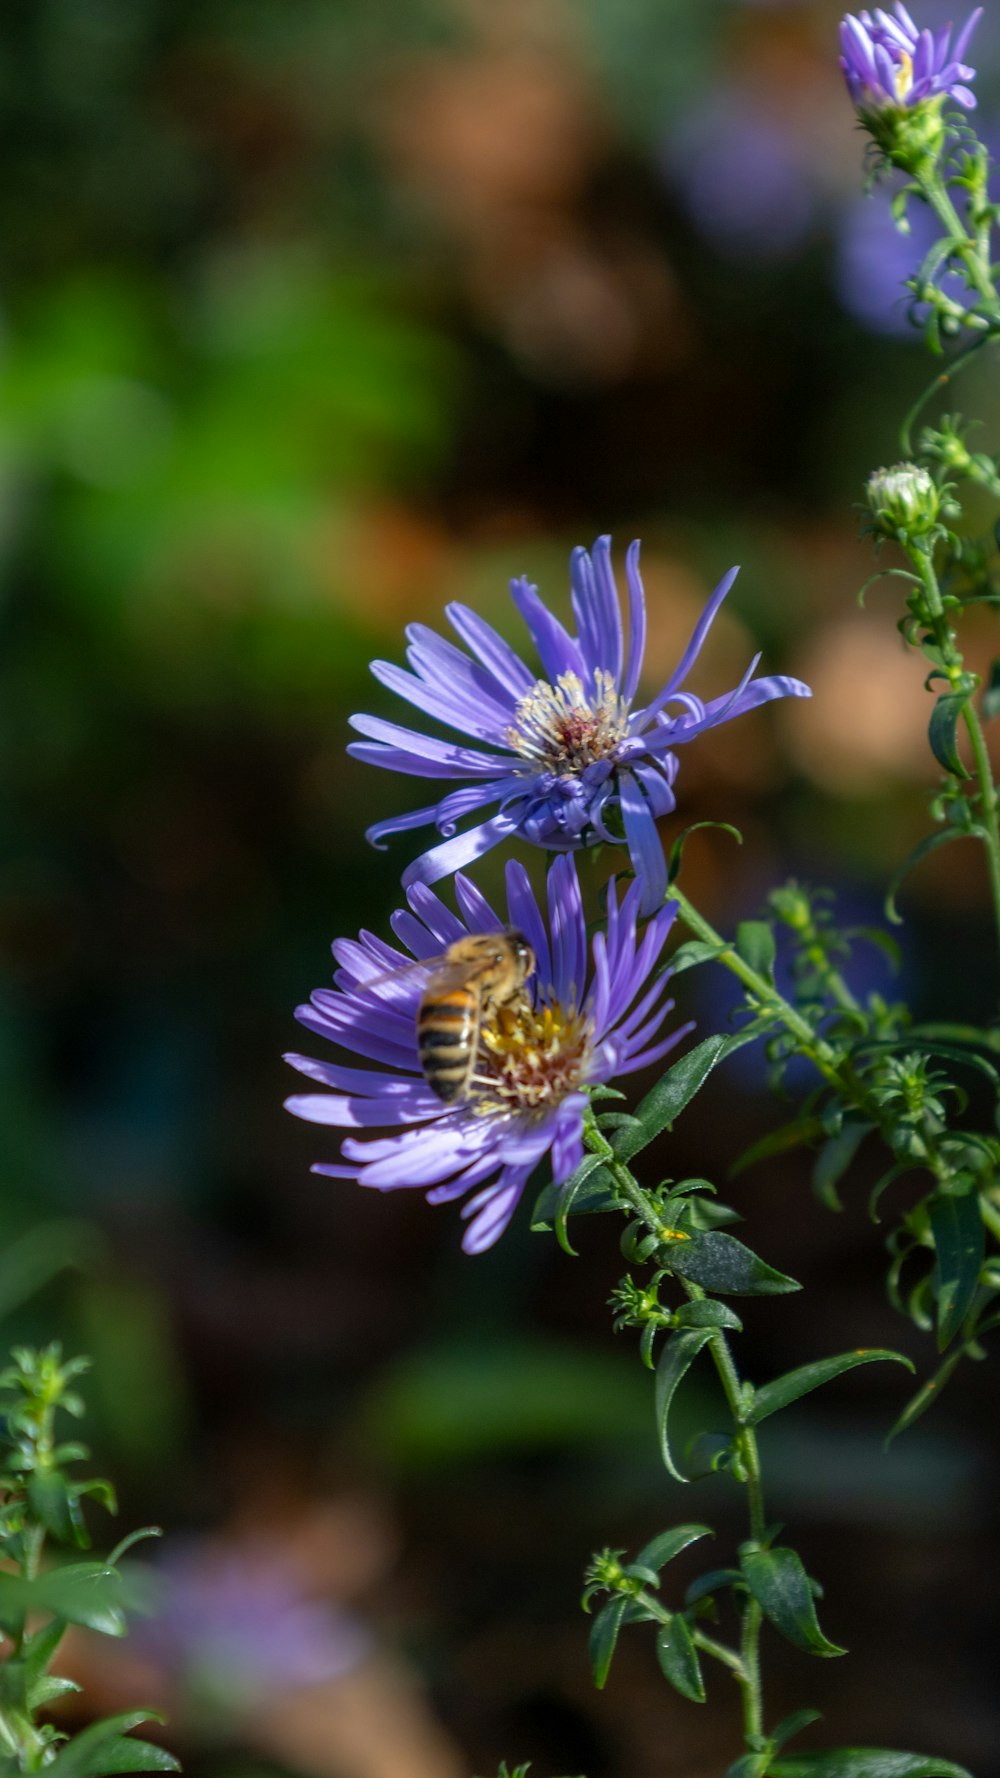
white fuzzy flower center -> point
(559, 728)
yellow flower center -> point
(530, 1057)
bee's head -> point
(527, 962)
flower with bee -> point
(580, 1016)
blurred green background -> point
(314, 316)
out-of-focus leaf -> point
(866, 1762)
(106, 1747)
(943, 836)
(957, 1227)
(834, 1159)
(755, 944)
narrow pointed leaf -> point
(689, 955)
(679, 1661)
(834, 1159)
(943, 732)
(660, 1550)
(604, 1635)
(792, 1135)
(665, 1102)
(793, 1725)
(720, 1262)
(865, 1762)
(772, 1397)
(957, 1227)
(780, 1585)
(676, 1360)
(943, 836)
(926, 1395)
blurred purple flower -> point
(890, 63)
(578, 765)
(744, 177)
(236, 1628)
(576, 1027)
(874, 260)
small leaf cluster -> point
(41, 1502)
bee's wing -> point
(437, 969)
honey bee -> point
(474, 976)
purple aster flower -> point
(889, 64)
(744, 176)
(574, 1027)
(571, 759)
(237, 1626)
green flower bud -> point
(903, 501)
(911, 137)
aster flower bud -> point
(903, 500)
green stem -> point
(747, 1668)
(975, 262)
(951, 656)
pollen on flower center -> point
(560, 729)
(531, 1057)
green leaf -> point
(678, 1659)
(677, 849)
(690, 954)
(792, 1135)
(772, 1397)
(662, 1549)
(957, 1227)
(780, 1585)
(676, 1360)
(714, 1580)
(866, 1762)
(755, 944)
(720, 1262)
(664, 1102)
(587, 1191)
(793, 1725)
(749, 1765)
(87, 1593)
(48, 1689)
(707, 1314)
(943, 837)
(40, 1648)
(943, 731)
(604, 1635)
(51, 1501)
(990, 703)
(106, 1748)
(926, 1394)
(834, 1159)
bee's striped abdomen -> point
(447, 1038)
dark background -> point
(313, 317)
